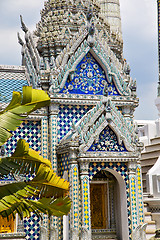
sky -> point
(139, 28)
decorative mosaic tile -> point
(31, 132)
(53, 140)
(28, 130)
(107, 142)
(68, 114)
(32, 227)
(60, 228)
(44, 137)
(133, 201)
(140, 195)
(75, 195)
(7, 86)
(89, 78)
(63, 164)
(85, 200)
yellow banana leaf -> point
(11, 117)
(49, 183)
(23, 161)
(24, 207)
(53, 207)
(13, 193)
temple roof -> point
(12, 78)
(61, 21)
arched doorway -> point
(108, 206)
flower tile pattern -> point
(89, 78)
(107, 142)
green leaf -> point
(49, 183)
(12, 117)
(23, 161)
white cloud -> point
(139, 26)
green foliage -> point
(13, 115)
(50, 190)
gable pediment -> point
(89, 78)
(64, 78)
(103, 129)
(107, 142)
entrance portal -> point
(99, 211)
(103, 196)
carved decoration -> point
(107, 142)
(89, 78)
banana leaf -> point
(49, 183)
(11, 117)
(25, 207)
(53, 207)
(13, 194)
(23, 161)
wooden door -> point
(98, 206)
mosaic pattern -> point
(85, 200)
(89, 78)
(7, 86)
(140, 195)
(133, 201)
(28, 130)
(31, 132)
(32, 227)
(66, 116)
(121, 168)
(75, 195)
(44, 126)
(60, 228)
(63, 164)
(53, 140)
(107, 142)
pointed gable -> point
(103, 129)
(89, 78)
(107, 141)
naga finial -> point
(20, 39)
(23, 26)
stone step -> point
(152, 147)
(147, 162)
(147, 217)
(155, 140)
(104, 236)
(148, 236)
(151, 154)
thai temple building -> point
(88, 131)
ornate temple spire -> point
(60, 22)
(110, 9)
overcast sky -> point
(139, 27)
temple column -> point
(85, 188)
(74, 194)
(44, 151)
(133, 194)
(53, 114)
(140, 194)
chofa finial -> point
(20, 39)
(23, 26)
